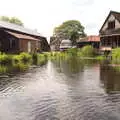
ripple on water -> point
(44, 93)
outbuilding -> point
(15, 39)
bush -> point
(5, 59)
(25, 57)
(41, 59)
(87, 51)
(72, 51)
(116, 56)
(35, 58)
(16, 59)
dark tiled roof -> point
(18, 28)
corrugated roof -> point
(22, 36)
(18, 28)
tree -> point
(71, 29)
(14, 20)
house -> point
(92, 40)
(110, 32)
(15, 39)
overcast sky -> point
(44, 15)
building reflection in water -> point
(110, 79)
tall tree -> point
(14, 20)
(71, 29)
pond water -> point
(61, 90)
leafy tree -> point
(14, 20)
(5, 18)
(71, 29)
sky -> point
(45, 15)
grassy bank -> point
(87, 52)
(23, 61)
(20, 62)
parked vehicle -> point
(65, 44)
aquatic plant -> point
(25, 57)
(5, 59)
(16, 59)
(20, 66)
(87, 51)
(3, 69)
(42, 58)
(72, 51)
(100, 58)
(116, 56)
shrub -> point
(20, 66)
(35, 58)
(41, 59)
(87, 51)
(25, 57)
(16, 59)
(5, 59)
(116, 56)
(3, 69)
(72, 51)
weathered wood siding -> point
(111, 18)
(8, 43)
(23, 45)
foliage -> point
(116, 56)
(41, 59)
(22, 58)
(25, 57)
(5, 59)
(20, 66)
(3, 69)
(100, 58)
(72, 51)
(71, 29)
(14, 20)
(87, 51)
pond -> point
(61, 90)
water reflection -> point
(72, 65)
(70, 89)
(110, 78)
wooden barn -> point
(89, 40)
(110, 32)
(15, 39)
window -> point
(111, 25)
(12, 43)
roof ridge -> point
(18, 28)
(114, 12)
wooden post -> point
(117, 40)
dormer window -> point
(111, 24)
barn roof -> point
(18, 28)
(22, 36)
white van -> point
(65, 44)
